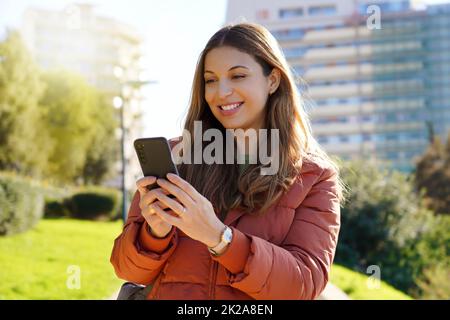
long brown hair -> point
(223, 184)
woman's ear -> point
(274, 79)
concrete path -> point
(331, 292)
(114, 296)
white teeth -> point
(230, 106)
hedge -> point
(21, 204)
(24, 201)
(94, 203)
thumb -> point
(143, 183)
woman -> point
(231, 232)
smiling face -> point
(236, 88)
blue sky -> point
(174, 31)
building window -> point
(366, 118)
(342, 119)
(288, 34)
(300, 70)
(385, 7)
(354, 100)
(327, 10)
(391, 137)
(320, 121)
(295, 52)
(413, 135)
(411, 154)
(392, 155)
(322, 139)
(390, 118)
(291, 13)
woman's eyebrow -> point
(235, 67)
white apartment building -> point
(376, 88)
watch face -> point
(227, 235)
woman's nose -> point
(224, 89)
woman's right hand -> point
(158, 227)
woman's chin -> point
(231, 125)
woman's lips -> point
(231, 111)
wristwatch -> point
(225, 239)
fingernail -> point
(170, 175)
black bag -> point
(133, 291)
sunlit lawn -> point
(355, 285)
(35, 264)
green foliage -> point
(381, 219)
(21, 204)
(52, 124)
(24, 140)
(433, 176)
(35, 264)
(429, 259)
(55, 208)
(103, 150)
(83, 123)
(433, 282)
(69, 104)
(94, 203)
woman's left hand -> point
(196, 216)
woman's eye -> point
(237, 76)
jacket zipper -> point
(154, 293)
(212, 287)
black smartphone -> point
(155, 158)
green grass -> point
(355, 285)
(35, 264)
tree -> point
(52, 124)
(81, 124)
(433, 252)
(103, 151)
(432, 175)
(380, 219)
(24, 141)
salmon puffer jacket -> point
(285, 254)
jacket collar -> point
(232, 216)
